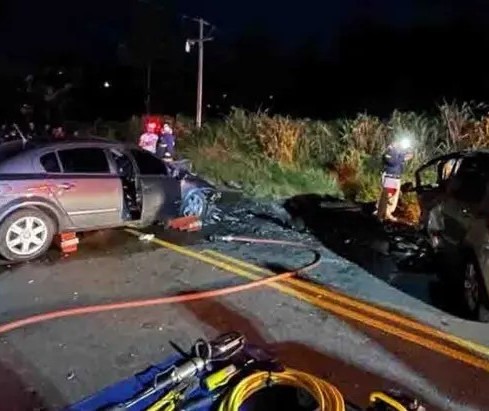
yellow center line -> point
(331, 307)
(361, 305)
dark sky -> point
(95, 26)
(425, 40)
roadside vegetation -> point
(276, 156)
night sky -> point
(30, 25)
(366, 54)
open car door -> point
(466, 192)
(431, 182)
(160, 192)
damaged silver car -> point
(453, 191)
(82, 185)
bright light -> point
(187, 46)
(405, 139)
(405, 143)
(106, 84)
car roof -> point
(16, 154)
(33, 144)
(455, 154)
(18, 146)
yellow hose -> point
(327, 396)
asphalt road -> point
(56, 363)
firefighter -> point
(149, 139)
(166, 144)
(393, 160)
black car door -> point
(466, 190)
(161, 193)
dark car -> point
(48, 187)
(453, 191)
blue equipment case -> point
(127, 389)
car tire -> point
(38, 229)
(195, 204)
(475, 297)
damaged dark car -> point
(81, 185)
(453, 191)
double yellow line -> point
(347, 307)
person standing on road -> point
(393, 160)
(149, 140)
(166, 144)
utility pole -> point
(200, 70)
(200, 75)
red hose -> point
(99, 308)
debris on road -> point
(67, 242)
(146, 237)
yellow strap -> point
(168, 401)
(380, 396)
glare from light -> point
(106, 84)
(405, 139)
(405, 143)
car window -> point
(84, 160)
(123, 163)
(469, 184)
(50, 163)
(148, 164)
(438, 173)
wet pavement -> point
(53, 364)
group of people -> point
(159, 142)
(30, 132)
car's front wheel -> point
(26, 234)
(195, 204)
(475, 296)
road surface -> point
(356, 346)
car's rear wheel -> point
(26, 234)
(475, 296)
(194, 204)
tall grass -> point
(279, 156)
(275, 155)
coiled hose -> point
(326, 395)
